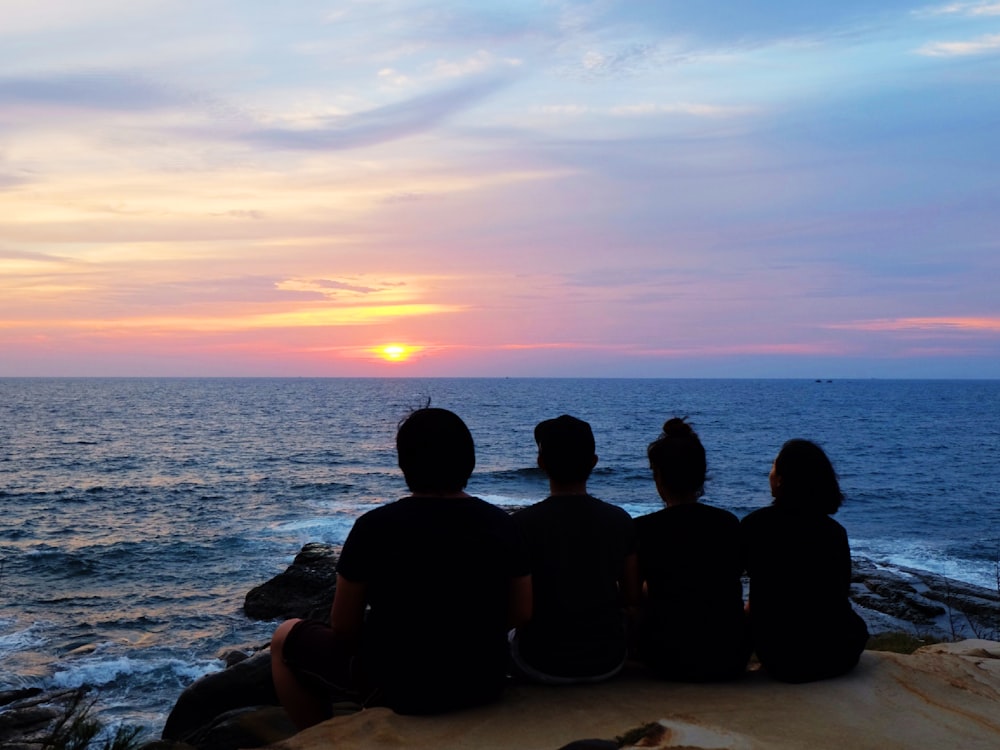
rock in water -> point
(245, 685)
(305, 589)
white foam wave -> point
(101, 671)
(929, 557)
(332, 528)
(19, 640)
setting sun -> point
(395, 352)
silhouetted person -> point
(583, 565)
(445, 575)
(693, 626)
(799, 563)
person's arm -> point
(347, 614)
(519, 602)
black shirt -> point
(437, 573)
(577, 546)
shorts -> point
(525, 670)
(322, 664)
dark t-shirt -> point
(437, 573)
(577, 545)
(693, 624)
(799, 565)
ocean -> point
(137, 513)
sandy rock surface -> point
(943, 696)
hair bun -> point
(677, 427)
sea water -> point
(137, 513)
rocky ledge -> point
(945, 695)
(942, 696)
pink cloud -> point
(929, 325)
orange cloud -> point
(305, 318)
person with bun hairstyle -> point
(693, 626)
(802, 625)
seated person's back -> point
(799, 564)
(442, 575)
(582, 553)
(693, 626)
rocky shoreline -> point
(237, 708)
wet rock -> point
(30, 717)
(926, 602)
(305, 589)
(246, 684)
(246, 727)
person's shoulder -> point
(530, 512)
(759, 516)
(720, 515)
(390, 508)
(486, 508)
(657, 516)
(611, 512)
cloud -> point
(963, 9)
(6, 254)
(648, 109)
(94, 90)
(382, 124)
(327, 287)
(308, 317)
(981, 46)
(929, 325)
(742, 23)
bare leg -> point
(303, 708)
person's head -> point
(435, 450)
(803, 478)
(677, 459)
(565, 449)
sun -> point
(395, 352)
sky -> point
(544, 189)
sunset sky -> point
(649, 189)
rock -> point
(244, 728)
(238, 708)
(232, 656)
(246, 684)
(942, 696)
(929, 603)
(11, 696)
(305, 589)
(30, 717)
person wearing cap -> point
(583, 563)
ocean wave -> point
(934, 557)
(530, 472)
(323, 486)
(20, 640)
(100, 671)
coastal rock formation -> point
(924, 602)
(197, 713)
(28, 716)
(889, 598)
(305, 589)
(236, 707)
(942, 696)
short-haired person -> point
(583, 565)
(799, 562)
(693, 625)
(444, 576)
